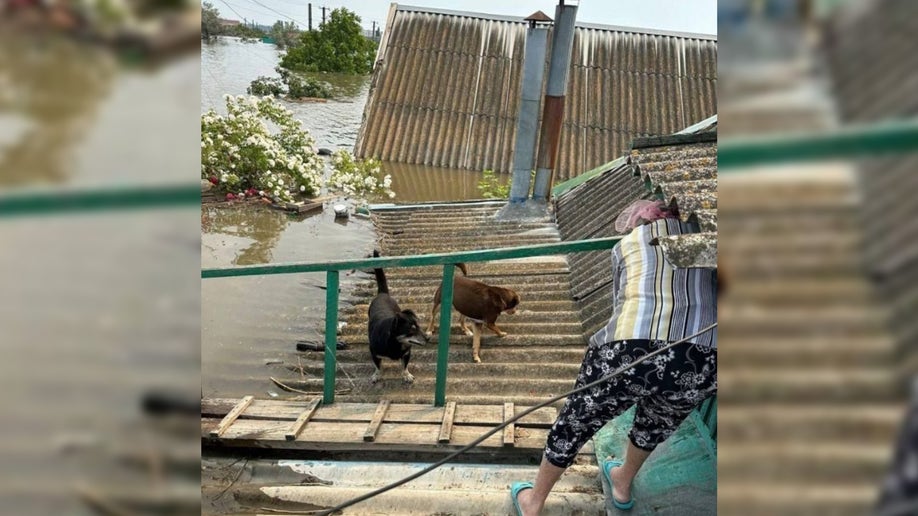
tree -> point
(210, 20)
(284, 34)
(338, 46)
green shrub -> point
(491, 187)
(299, 86)
(266, 87)
(359, 178)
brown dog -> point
(479, 302)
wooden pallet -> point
(305, 424)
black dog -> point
(392, 331)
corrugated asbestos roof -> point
(680, 168)
(874, 68)
(445, 91)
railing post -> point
(331, 336)
(446, 312)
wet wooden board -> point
(381, 409)
(306, 425)
(342, 436)
(363, 412)
(509, 434)
(446, 427)
(231, 417)
(301, 421)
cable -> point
(498, 428)
(298, 22)
(231, 9)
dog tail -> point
(462, 267)
(381, 286)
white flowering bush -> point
(242, 156)
(359, 178)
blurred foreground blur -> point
(100, 311)
(818, 327)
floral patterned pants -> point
(665, 389)
(900, 489)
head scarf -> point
(641, 212)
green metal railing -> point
(41, 201)
(890, 137)
(854, 141)
(447, 260)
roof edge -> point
(582, 25)
(565, 187)
(672, 139)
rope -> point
(500, 427)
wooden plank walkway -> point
(304, 424)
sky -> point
(699, 16)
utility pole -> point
(310, 16)
(373, 32)
(323, 14)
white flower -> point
(391, 195)
(302, 188)
(270, 162)
(203, 145)
(280, 182)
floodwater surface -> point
(251, 324)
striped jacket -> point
(652, 299)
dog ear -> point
(410, 315)
(497, 300)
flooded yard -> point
(98, 309)
(250, 324)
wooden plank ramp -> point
(305, 424)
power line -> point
(231, 9)
(294, 20)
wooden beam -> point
(301, 421)
(446, 427)
(370, 435)
(509, 431)
(233, 414)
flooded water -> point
(70, 114)
(250, 324)
(96, 309)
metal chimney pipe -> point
(528, 124)
(562, 45)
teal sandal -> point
(515, 489)
(606, 467)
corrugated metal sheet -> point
(874, 67)
(445, 90)
(679, 168)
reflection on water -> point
(419, 183)
(253, 232)
(48, 94)
(70, 114)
